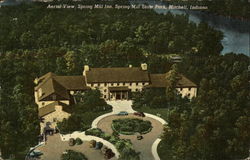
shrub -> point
(78, 141)
(94, 132)
(130, 126)
(72, 155)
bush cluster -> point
(130, 126)
(124, 146)
(72, 155)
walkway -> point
(145, 145)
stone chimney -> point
(144, 66)
(58, 108)
(86, 68)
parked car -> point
(122, 113)
(109, 154)
(140, 114)
(98, 145)
(139, 137)
(72, 142)
(92, 144)
(35, 153)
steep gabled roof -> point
(53, 87)
(50, 84)
(160, 81)
(72, 82)
(51, 108)
(126, 74)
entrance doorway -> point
(118, 96)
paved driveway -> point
(55, 147)
(144, 146)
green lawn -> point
(155, 111)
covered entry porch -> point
(119, 93)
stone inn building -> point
(54, 94)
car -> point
(139, 137)
(72, 142)
(92, 144)
(140, 114)
(35, 153)
(109, 154)
(98, 145)
(122, 113)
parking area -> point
(145, 145)
(54, 148)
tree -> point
(172, 78)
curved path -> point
(127, 106)
(146, 146)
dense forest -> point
(230, 8)
(35, 40)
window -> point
(130, 84)
(91, 84)
(181, 89)
(105, 96)
(136, 90)
(112, 84)
(105, 84)
(118, 84)
(98, 84)
(143, 83)
(105, 90)
(188, 94)
(43, 103)
(137, 84)
(189, 89)
(124, 84)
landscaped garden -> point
(129, 126)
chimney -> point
(130, 66)
(144, 66)
(86, 68)
(58, 108)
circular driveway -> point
(144, 146)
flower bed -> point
(129, 126)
